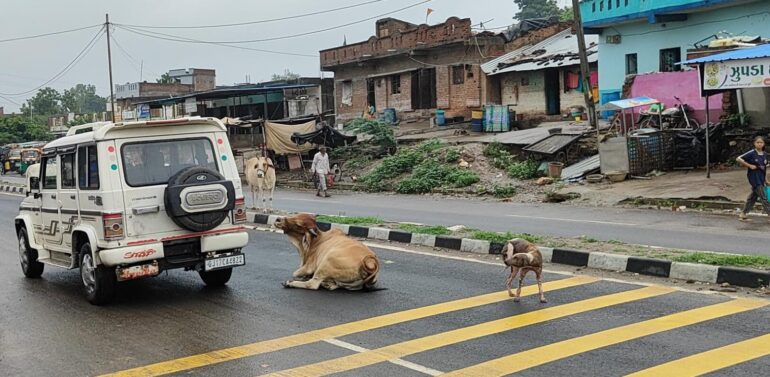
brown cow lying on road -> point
(328, 259)
(523, 257)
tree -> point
(285, 76)
(567, 14)
(47, 101)
(166, 79)
(82, 99)
(536, 9)
(20, 129)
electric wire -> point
(66, 68)
(136, 64)
(190, 40)
(10, 100)
(258, 21)
(285, 36)
(48, 34)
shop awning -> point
(629, 103)
(761, 51)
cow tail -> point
(370, 268)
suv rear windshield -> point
(154, 162)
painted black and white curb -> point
(605, 261)
(12, 189)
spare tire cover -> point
(198, 198)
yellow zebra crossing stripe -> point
(252, 349)
(713, 360)
(556, 351)
(411, 347)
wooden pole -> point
(584, 69)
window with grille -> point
(631, 65)
(395, 84)
(458, 74)
(668, 59)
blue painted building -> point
(640, 36)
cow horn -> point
(313, 232)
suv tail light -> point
(239, 212)
(113, 226)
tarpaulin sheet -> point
(327, 136)
(279, 137)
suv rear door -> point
(50, 210)
(146, 166)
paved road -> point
(437, 316)
(684, 230)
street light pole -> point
(584, 69)
(109, 63)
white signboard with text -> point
(190, 105)
(736, 74)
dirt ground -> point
(473, 154)
(726, 184)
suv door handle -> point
(53, 196)
(72, 197)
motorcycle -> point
(679, 117)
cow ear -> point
(306, 241)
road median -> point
(681, 266)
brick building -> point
(200, 79)
(415, 69)
(543, 79)
(186, 81)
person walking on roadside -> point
(320, 168)
(756, 162)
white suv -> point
(122, 201)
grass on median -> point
(354, 220)
(435, 230)
(756, 261)
(614, 246)
(503, 237)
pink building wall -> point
(663, 86)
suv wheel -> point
(28, 257)
(216, 278)
(98, 281)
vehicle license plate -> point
(136, 272)
(224, 262)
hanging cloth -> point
(594, 79)
(580, 83)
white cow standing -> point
(260, 175)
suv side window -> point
(88, 168)
(49, 173)
(68, 171)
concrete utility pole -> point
(109, 63)
(584, 70)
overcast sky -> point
(28, 63)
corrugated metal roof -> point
(560, 50)
(579, 170)
(227, 91)
(491, 65)
(552, 143)
(761, 51)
